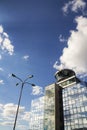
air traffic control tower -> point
(74, 99)
(64, 105)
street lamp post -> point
(22, 85)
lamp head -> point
(33, 85)
(17, 84)
(31, 76)
(13, 75)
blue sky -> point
(38, 37)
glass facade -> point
(64, 106)
(37, 114)
(49, 108)
(75, 107)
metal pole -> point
(18, 105)
(22, 85)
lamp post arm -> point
(26, 80)
(19, 79)
(13, 75)
(29, 83)
(31, 76)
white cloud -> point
(0, 57)
(5, 34)
(6, 123)
(74, 56)
(74, 6)
(65, 7)
(26, 116)
(5, 43)
(62, 39)
(26, 57)
(37, 90)
(7, 46)
(1, 39)
(8, 112)
(56, 65)
(22, 127)
(1, 29)
(1, 82)
(1, 106)
(1, 69)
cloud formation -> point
(8, 112)
(62, 39)
(1, 81)
(26, 57)
(1, 69)
(74, 56)
(5, 43)
(26, 116)
(0, 57)
(37, 90)
(74, 6)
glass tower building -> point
(64, 105)
(53, 108)
(49, 113)
(75, 107)
(37, 114)
(74, 97)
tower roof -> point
(64, 74)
